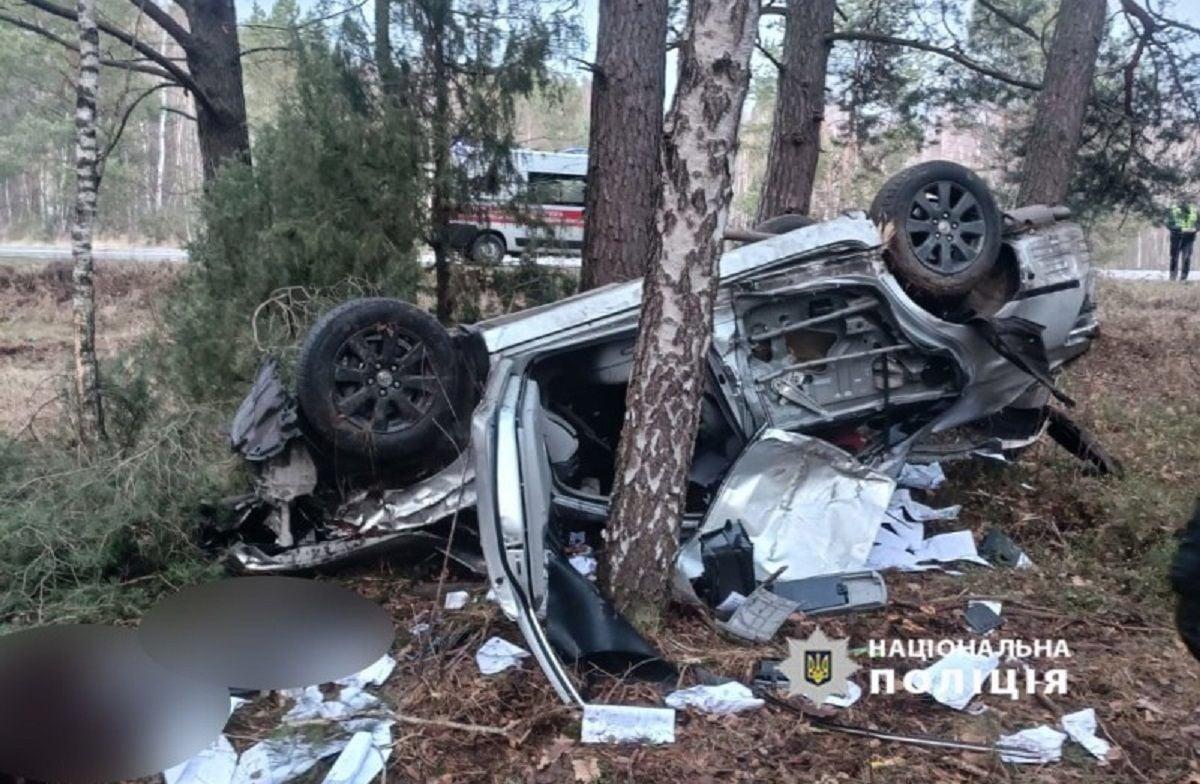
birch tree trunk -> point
(87, 183)
(1058, 121)
(675, 331)
(799, 110)
(623, 138)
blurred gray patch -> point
(266, 632)
(85, 704)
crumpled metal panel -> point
(267, 418)
(807, 506)
(416, 506)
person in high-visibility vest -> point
(1181, 222)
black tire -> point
(1185, 579)
(487, 249)
(366, 345)
(782, 224)
(941, 229)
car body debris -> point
(456, 600)
(721, 700)
(1001, 550)
(497, 655)
(831, 379)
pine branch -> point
(66, 44)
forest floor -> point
(1100, 548)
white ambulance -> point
(545, 216)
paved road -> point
(49, 253)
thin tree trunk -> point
(87, 371)
(160, 171)
(675, 331)
(799, 110)
(1058, 121)
(623, 140)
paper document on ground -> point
(724, 699)
(627, 724)
(497, 655)
(955, 679)
(1081, 726)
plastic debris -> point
(627, 724)
(983, 617)
(277, 760)
(998, 548)
(1037, 746)
(970, 673)
(730, 603)
(721, 700)
(760, 616)
(497, 655)
(456, 600)
(1081, 727)
(921, 477)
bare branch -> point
(116, 136)
(1009, 18)
(163, 19)
(180, 112)
(952, 54)
(179, 75)
(258, 49)
(774, 60)
(66, 44)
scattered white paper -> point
(456, 600)
(730, 603)
(497, 655)
(584, 564)
(627, 724)
(922, 477)
(235, 703)
(418, 629)
(278, 760)
(373, 675)
(1081, 726)
(1042, 744)
(311, 704)
(1023, 562)
(971, 672)
(903, 503)
(846, 699)
(358, 763)
(722, 700)
(954, 546)
(214, 765)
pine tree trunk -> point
(799, 110)
(675, 331)
(442, 192)
(87, 372)
(1058, 121)
(215, 63)
(623, 142)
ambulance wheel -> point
(487, 249)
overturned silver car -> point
(932, 329)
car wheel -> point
(782, 224)
(1185, 578)
(941, 229)
(487, 249)
(375, 379)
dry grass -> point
(35, 329)
(1101, 547)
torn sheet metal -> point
(921, 476)
(434, 498)
(358, 763)
(721, 700)
(627, 724)
(807, 506)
